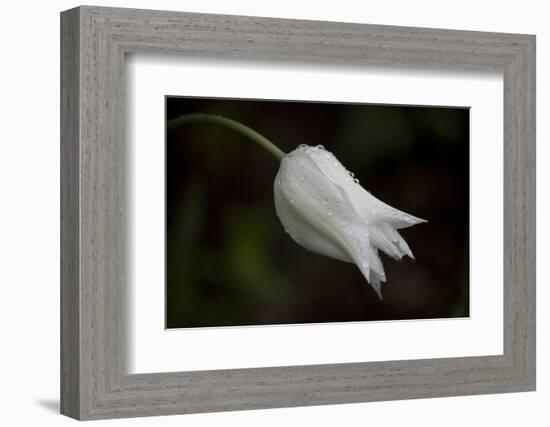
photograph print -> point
(300, 212)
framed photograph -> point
(262, 213)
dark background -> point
(228, 259)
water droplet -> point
(356, 180)
(320, 147)
(344, 221)
(291, 201)
(325, 201)
(329, 213)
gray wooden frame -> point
(94, 41)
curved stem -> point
(199, 118)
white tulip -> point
(325, 210)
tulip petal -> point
(306, 202)
(304, 233)
(369, 207)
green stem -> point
(199, 118)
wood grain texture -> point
(94, 382)
(70, 359)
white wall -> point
(29, 226)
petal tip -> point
(413, 220)
(375, 282)
(409, 221)
(378, 290)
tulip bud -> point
(325, 210)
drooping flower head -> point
(325, 210)
(322, 206)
